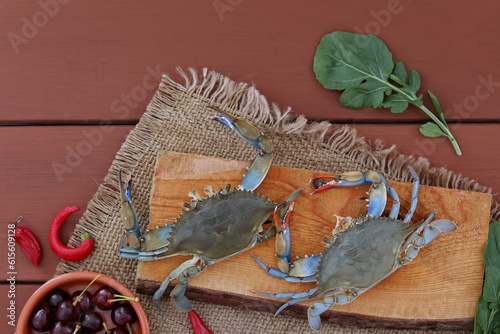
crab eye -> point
(319, 182)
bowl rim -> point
(56, 281)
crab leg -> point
(178, 298)
(252, 135)
(151, 245)
(414, 197)
(317, 308)
(177, 294)
(302, 269)
(394, 195)
(422, 236)
(128, 215)
(295, 297)
(377, 195)
(154, 245)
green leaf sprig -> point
(487, 319)
(363, 67)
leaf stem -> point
(491, 318)
(443, 126)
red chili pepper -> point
(28, 242)
(197, 324)
(64, 252)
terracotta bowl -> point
(77, 281)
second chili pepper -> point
(28, 242)
(199, 327)
(64, 252)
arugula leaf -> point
(397, 102)
(414, 81)
(491, 288)
(482, 315)
(430, 129)
(346, 60)
(492, 247)
(363, 67)
(364, 95)
(399, 73)
(437, 106)
(488, 309)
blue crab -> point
(211, 229)
(361, 252)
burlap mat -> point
(178, 119)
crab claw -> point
(245, 130)
(252, 135)
(323, 182)
(128, 214)
(349, 179)
(377, 195)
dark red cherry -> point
(42, 318)
(123, 314)
(102, 298)
(92, 321)
(56, 296)
(63, 328)
(84, 302)
(66, 312)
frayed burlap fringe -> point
(246, 101)
(178, 119)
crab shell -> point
(361, 256)
(218, 227)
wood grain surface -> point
(440, 288)
(99, 51)
(70, 68)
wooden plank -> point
(85, 57)
(439, 289)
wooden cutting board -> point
(439, 289)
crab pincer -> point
(377, 194)
(128, 214)
(252, 135)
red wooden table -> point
(69, 67)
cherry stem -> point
(77, 299)
(105, 328)
(77, 328)
(120, 298)
(18, 220)
(129, 329)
